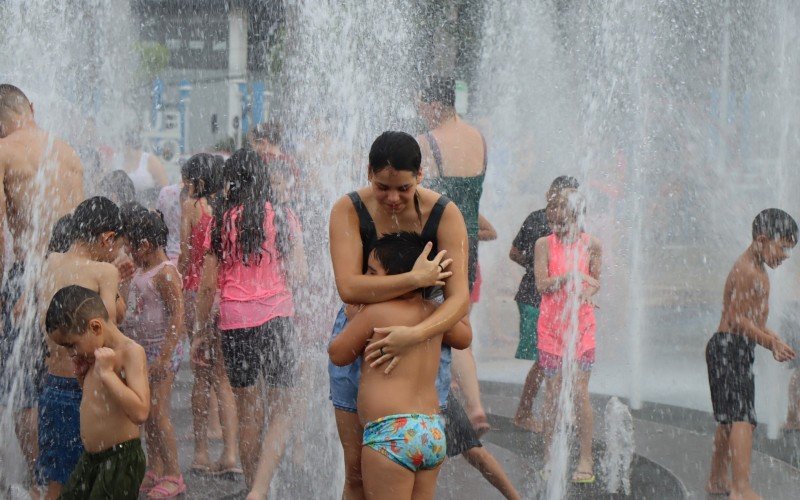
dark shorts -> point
(266, 350)
(458, 430)
(528, 338)
(472, 262)
(113, 474)
(21, 355)
(730, 359)
(60, 445)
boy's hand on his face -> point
(104, 360)
(781, 351)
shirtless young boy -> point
(93, 240)
(41, 179)
(404, 440)
(112, 370)
(730, 352)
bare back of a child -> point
(64, 269)
(410, 387)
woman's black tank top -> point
(369, 234)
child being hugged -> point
(567, 270)
(112, 371)
(155, 321)
(404, 440)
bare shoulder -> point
(167, 275)
(130, 353)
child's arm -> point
(460, 336)
(168, 285)
(595, 263)
(541, 257)
(743, 303)
(297, 268)
(486, 231)
(348, 345)
(201, 334)
(108, 288)
(133, 395)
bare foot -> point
(747, 494)
(529, 424)
(256, 495)
(714, 487)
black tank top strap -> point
(366, 227)
(437, 153)
(429, 232)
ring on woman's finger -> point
(382, 353)
(441, 268)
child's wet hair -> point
(563, 182)
(117, 183)
(206, 168)
(62, 236)
(142, 225)
(96, 216)
(775, 224)
(398, 150)
(71, 310)
(570, 201)
(398, 252)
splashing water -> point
(620, 447)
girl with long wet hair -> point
(251, 245)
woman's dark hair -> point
(117, 184)
(248, 190)
(61, 238)
(142, 225)
(440, 89)
(206, 168)
(398, 150)
(96, 216)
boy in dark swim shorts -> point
(730, 352)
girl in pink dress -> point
(567, 270)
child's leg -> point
(585, 423)
(740, 444)
(793, 416)
(552, 386)
(351, 434)
(214, 421)
(227, 411)
(524, 417)
(425, 484)
(200, 413)
(719, 479)
(274, 441)
(250, 412)
(466, 374)
(492, 471)
(383, 478)
(166, 433)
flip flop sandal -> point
(200, 470)
(159, 491)
(588, 478)
(230, 473)
(152, 477)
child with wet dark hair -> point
(115, 401)
(404, 434)
(118, 187)
(155, 321)
(730, 353)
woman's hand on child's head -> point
(431, 272)
(104, 359)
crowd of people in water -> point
(104, 295)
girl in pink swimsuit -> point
(155, 321)
(567, 270)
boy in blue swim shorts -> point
(404, 440)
